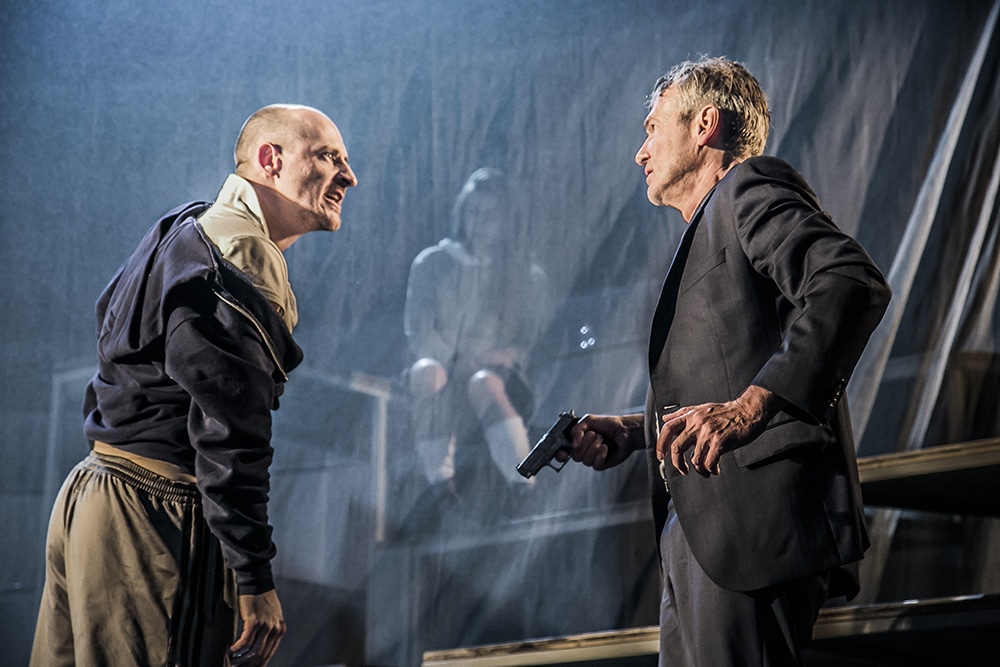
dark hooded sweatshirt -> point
(192, 359)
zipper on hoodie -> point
(257, 325)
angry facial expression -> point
(315, 173)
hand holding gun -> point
(555, 439)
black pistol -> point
(545, 449)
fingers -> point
(709, 462)
(263, 628)
(588, 445)
(672, 441)
(705, 457)
(256, 646)
(242, 642)
(590, 450)
(690, 442)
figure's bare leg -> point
(506, 434)
(433, 435)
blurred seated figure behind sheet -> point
(475, 304)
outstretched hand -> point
(263, 628)
(711, 429)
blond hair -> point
(729, 87)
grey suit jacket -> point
(766, 290)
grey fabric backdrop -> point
(114, 112)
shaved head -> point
(279, 124)
(296, 159)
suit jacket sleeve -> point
(835, 294)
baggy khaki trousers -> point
(133, 575)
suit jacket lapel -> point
(663, 316)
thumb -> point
(245, 638)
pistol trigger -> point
(562, 464)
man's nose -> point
(641, 155)
(347, 176)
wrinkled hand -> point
(263, 628)
(711, 429)
(602, 442)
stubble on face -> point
(314, 165)
(668, 155)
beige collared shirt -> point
(235, 224)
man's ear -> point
(708, 126)
(269, 159)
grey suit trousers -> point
(704, 625)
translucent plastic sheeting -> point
(400, 527)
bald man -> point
(160, 534)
